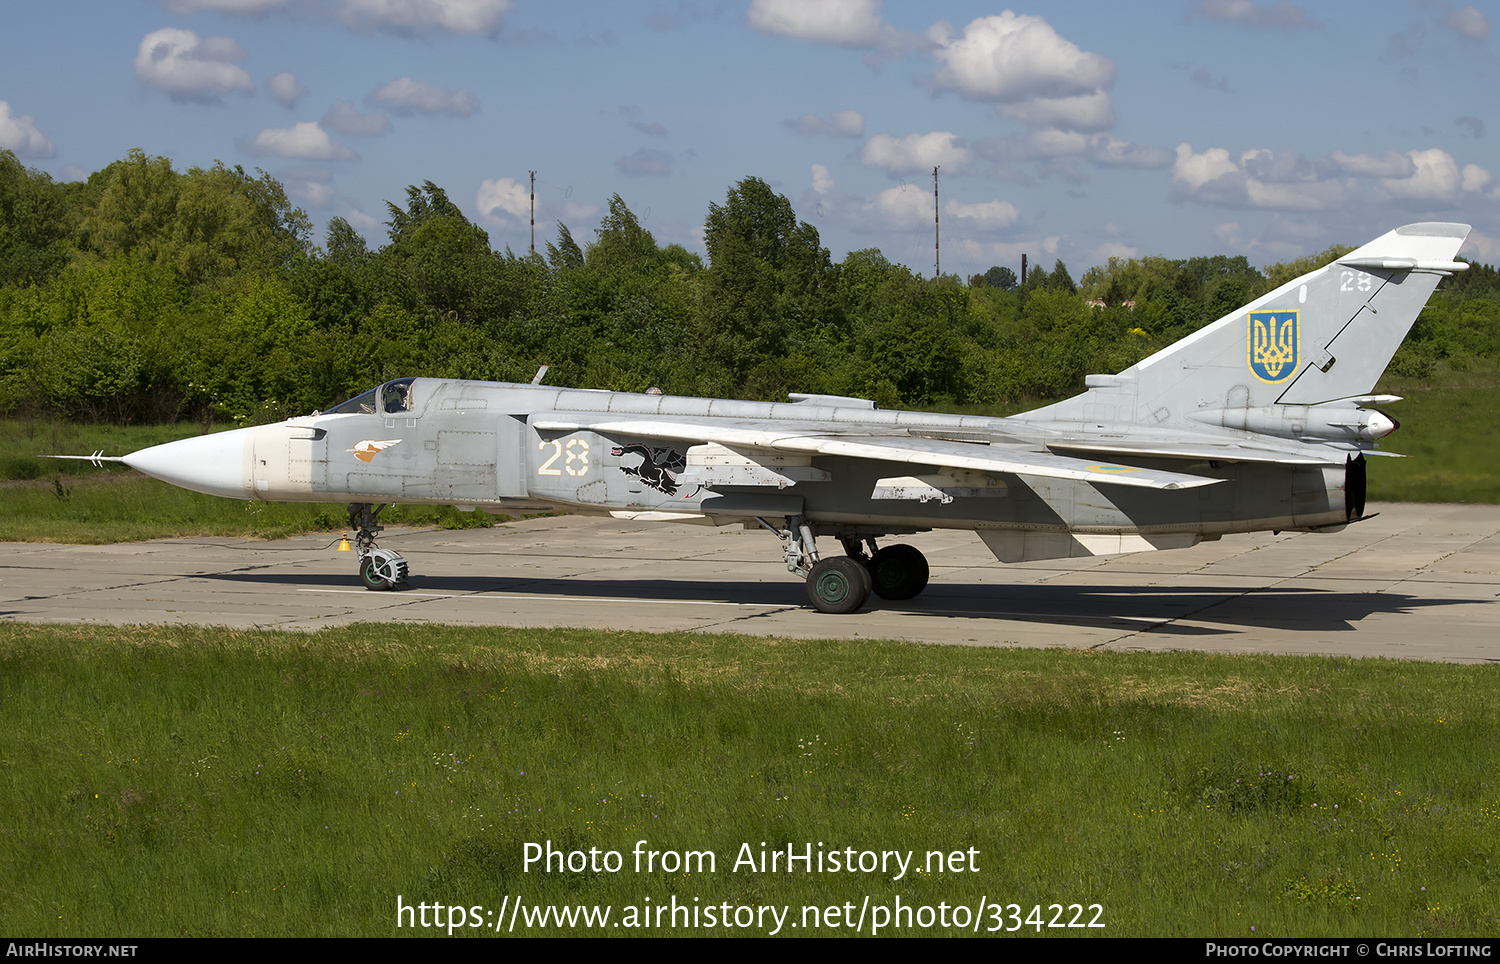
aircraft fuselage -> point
(478, 444)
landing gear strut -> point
(378, 568)
(842, 584)
(834, 585)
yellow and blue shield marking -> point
(1272, 345)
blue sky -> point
(1075, 131)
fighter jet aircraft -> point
(1260, 421)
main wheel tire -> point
(899, 572)
(838, 585)
(372, 579)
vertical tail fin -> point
(1324, 337)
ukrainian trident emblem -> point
(1272, 344)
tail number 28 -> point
(573, 453)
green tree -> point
(1281, 272)
(34, 224)
(566, 254)
(205, 224)
(996, 277)
(769, 281)
(1060, 280)
(439, 262)
(344, 244)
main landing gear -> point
(378, 568)
(842, 584)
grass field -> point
(126, 507)
(175, 781)
(1450, 433)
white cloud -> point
(1368, 165)
(1002, 252)
(19, 134)
(1475, 178)
(1281, 15)
(285, 89)
(822, 181)
(1287, 181)
(1481, 247)
(840, 123)
(847, 123)
(987, 214)
(1051, 142)
(1312, 196)
(846, 23)
(409, 18)
(916, 153)
(1028, 71)
(502, 199)
(1436, 177)
(185, 68)
(418, 17)
(1045, 143)
(1278, 180)
(1229, 233)
(1082, 112)
(306, 141)
(1279, 167)
(364, 223)
(344, 118)
(1194, 171)
(1014, 57)
(310, 192)
(1469, 23)
(807, 124)
(1114, 249)
(1112, 152)
(406, 97)
(901, 207)
(239, 8)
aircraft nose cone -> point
(212, 464)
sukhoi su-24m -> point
(1259, 421)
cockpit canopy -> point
(392, 398)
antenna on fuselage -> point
(537, 378)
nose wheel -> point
(383, 569)
(379, 569)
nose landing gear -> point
(379, 569)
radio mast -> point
(937, 259)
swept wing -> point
(815, 439)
